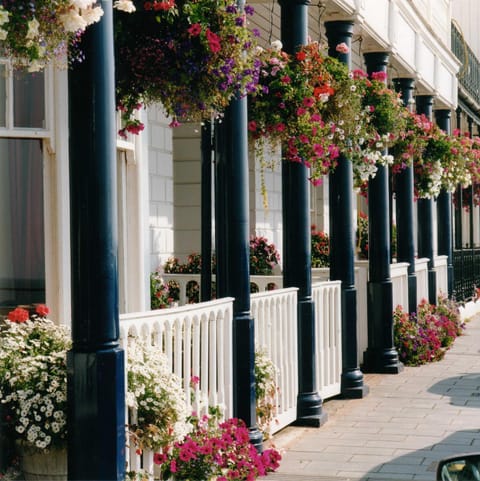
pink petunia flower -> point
(342, 48)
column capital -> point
(376, 61)
(405, 86)
(424, 105)
(293, 3)
(339, 31)
(443, 117)
(339, 27)
(404, 83)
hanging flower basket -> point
(316, 109)
(36, 33)
(446, 162)
(288, 108)
(192, 56)
(386, 120)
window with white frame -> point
(23, 136)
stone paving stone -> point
(399, 432)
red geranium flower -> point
(42, 310)
(18, 315)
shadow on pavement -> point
(422, 463)
(463, 390)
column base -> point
(352, 386)
(309, 411)
(96, 414)
(256, 438)
(382, 361)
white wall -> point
(161, 222)
(187, 189)
(266, 211)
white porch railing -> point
(328, 336)
(275, 317)
(197, 340)
(421, 271)
(361, 283)
(441, 268)
(262, 283)
(399, 275)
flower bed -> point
(424, 336)
(216, 451)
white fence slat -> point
(328, 339)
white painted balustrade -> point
(189, 281)
(197, 340)
(275, 317)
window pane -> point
(29, 99)
(22, 253)
(3, 96)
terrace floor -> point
(400, 430)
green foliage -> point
(263, 256)
(320, 248)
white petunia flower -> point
(83, 4)
(124, 6)
(3, 16)
(277, 45)
(32, 29)
(73, 22)
(92, 15)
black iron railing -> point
(466, 273)
(469, 74)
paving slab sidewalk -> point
(400, 430)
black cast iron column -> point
(459, 205)
(381, 355)
(206, 213)
(425, 214)
(444, 210)
(342, 243)
(96, 371)
(297, 260)
(236, 248)
(405, 207)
